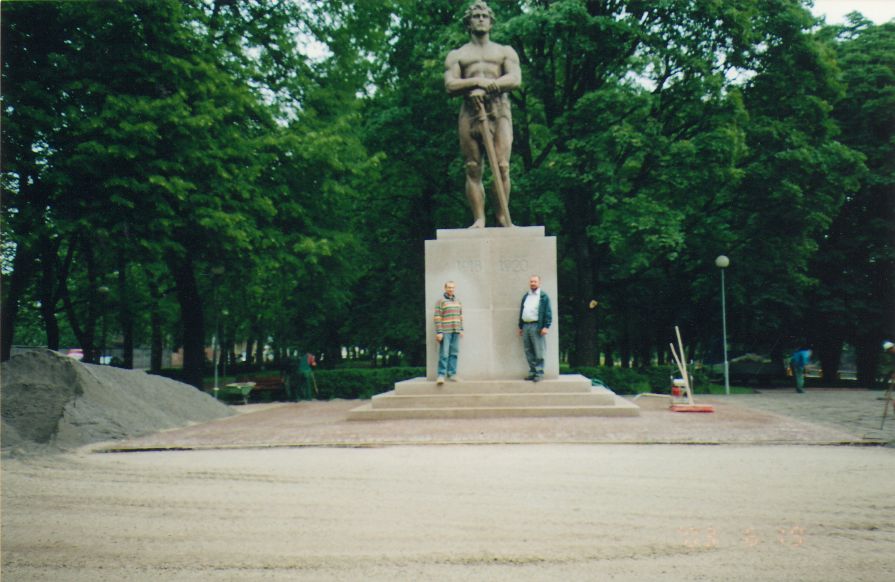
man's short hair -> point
(477, 5)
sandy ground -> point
(528, 512)
(557, 511)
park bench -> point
(266, 388)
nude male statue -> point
(483, 72)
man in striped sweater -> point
(448, 330)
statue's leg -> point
(503, 146)
(472, 153)
(475, 193)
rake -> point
(680, 360)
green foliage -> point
(176, 150)
(361, 383)
(216, 178)
(855, 262)
(656, 379)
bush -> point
(656, 379)
(357, 383)
(619, 380)
(361, 383)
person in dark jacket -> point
(535, 318)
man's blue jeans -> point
(535, 346)
(447, 354)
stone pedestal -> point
(491, 267)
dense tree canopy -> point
(176, 171)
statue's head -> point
(477, 7)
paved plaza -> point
(818, 417)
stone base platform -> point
(570, 395)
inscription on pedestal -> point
(469, 265)
(512, 265)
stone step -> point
(569, 395)
(620, 407)
(563, 384)
(595, 397)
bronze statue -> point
(483, 72)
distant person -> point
(301, 385)
(448, 331)
(798, 361)
(535, 318)
(306, 367)
(888, 363)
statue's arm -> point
(454, 82)
(512, 72)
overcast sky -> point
(879, 11)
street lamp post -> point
(214, 359)
(722, 262)
(216, 272)
(224, 312)
(103, 297)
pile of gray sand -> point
(50, 401)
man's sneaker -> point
(440, 380)
(537, 378)
(530, 377)
(453, 379)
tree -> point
(193, 151)
(411, 121)
(641, 151)
(855, 263)
(165, 151)
(30, 110)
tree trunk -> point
(47, 291)
(333, 350)
(258, 357)
(829, 351)
(867, 350)
(156, 343)
(33, 201)
(192, 319)
(125, 314)
(625, 354)
(779, 361)
(625, 341)
(250, 342)
(584, 352)
(85, 334)
(23, 267)
(609, 356)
